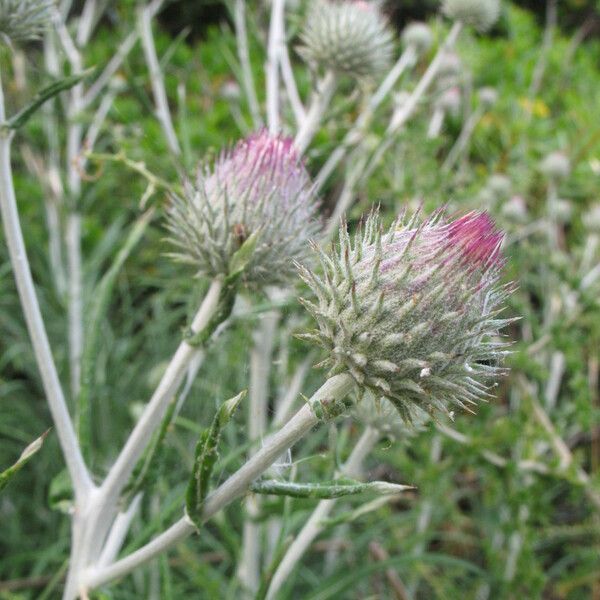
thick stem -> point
(314, 525)
(332, 390)
(82, 482)
(322, 98)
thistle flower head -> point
(259, 188)
(556, 166)
(347, 36)
(419, 36)
(412, 314)
(488, 96)
(480, 14)
(500, 185)
(450, 100)
(22, 20)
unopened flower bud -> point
(22, 20)
(480, 14)
(500, 185)
(561, 210)
(488, 96)
(450, 64)
(450, 100)
(347, 36)
(428, 297)
(515, 210)
(259, 188)
(556, 166)
(419, 36)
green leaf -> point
(95, 314)
(240, 260)
(25, 457)
(205, 458)
(327, 489)
(18, 120)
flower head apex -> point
(412, 314)
(260, 187)
(347, 36)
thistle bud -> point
(419, 36)
(450, 64)
(480, 14)
(591, 219)
(500, 185)
(515, 210)
(347, 36)
(23, 20)
(259, 188)
(412, 315)
(450, 100)
(488, 96)
(556, 166)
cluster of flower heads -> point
(480, 14)
(261, 188)
(23, 20)
(412, 315)
(347, 36)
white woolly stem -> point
(276, 39)
(241, 35)
(463, 140)
(333, 389)
(163, 112)
(287, 74)
(80, 477)
(356, 133)
(320, 102)
(405, 112)
(314, 525)
(436, 123)
(260, 369)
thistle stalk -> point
(327, 398)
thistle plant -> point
(412, 315)
(23, 20)
(347, 36)
(480, 14)
(260, 189)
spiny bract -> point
(412, 315)
(260, 187)
(347, 36)
(481, 14)
(22, 20)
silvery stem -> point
(163, 113)
(314, 525)
(276, 39)
(82, 482)
(320, 103)
(407, 58)
(335, 388)
(463, 140)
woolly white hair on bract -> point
(347, 36)
(261, 188)
(413, 315)
(23, 20)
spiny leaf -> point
(327, 489)
(205, 458)
(18, 120)
(26, 455)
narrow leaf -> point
(205, 458)
(239, 261)
(325, 490)
(18, 120)
(26, 455)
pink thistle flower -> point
(412, 315)
(259, 187)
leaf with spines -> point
(326, 489)
(26, 455)
(206, 456)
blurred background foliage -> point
(494, 531)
